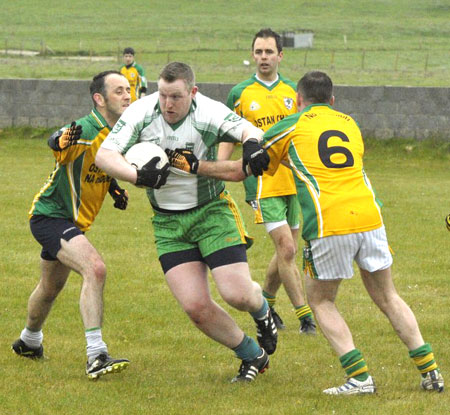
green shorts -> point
(209, 228)
(277, 209)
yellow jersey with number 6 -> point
(324, 149)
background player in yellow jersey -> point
(62, 211)
(342, 224)
(135, 74)
(264, 99)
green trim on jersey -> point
(279, 127)
(288, 122)
(237, 90)
(288, 82)
(278, 132)
(268, 113)
(140, 69)
(76, 188)
(308, 206)
(208, 123)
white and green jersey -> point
(207, 123)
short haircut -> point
(268, 32)
(178, 70)
(98, 84)
(316, 87)
(128, 51)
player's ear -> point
(194, 91)
(332, 100)
(99, 99)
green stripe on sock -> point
(92, 329)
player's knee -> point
(99, 270)
(388, 303)
(286, 250)
(316, 301)
(237, 300)
(243, 300)
(198, 312)
(49, 294)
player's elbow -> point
(100, 158)
(238, 176)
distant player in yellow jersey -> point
(135, 74)
(264, 99)
(342, 224)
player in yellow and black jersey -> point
(135, 74)
(342, 225)
(63, 210)
(265, 99)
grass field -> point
(177, 370)
(174, 368)
(362, 42)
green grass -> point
(177, 370)
(363, 42)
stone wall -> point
(381, 111)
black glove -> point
(64, 138)
(119, 195)
(150, 176)
(447, 221)
(255, 156)
(183, 159)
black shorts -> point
(225, 256)
(49, 232)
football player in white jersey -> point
(196, 223)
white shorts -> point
(270, 226)
(332, 257)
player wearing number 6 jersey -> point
(323, 146)
(342, 224)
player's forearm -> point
(250, 131)
(229, 170)
(113, 163)
(225, 151)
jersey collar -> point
(100, 121)
(272, 86)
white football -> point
(142, 152)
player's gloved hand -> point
(255, 156)
(119, 195)
(150, 176)
(65, 138)
(447, 221)
(183, 159)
